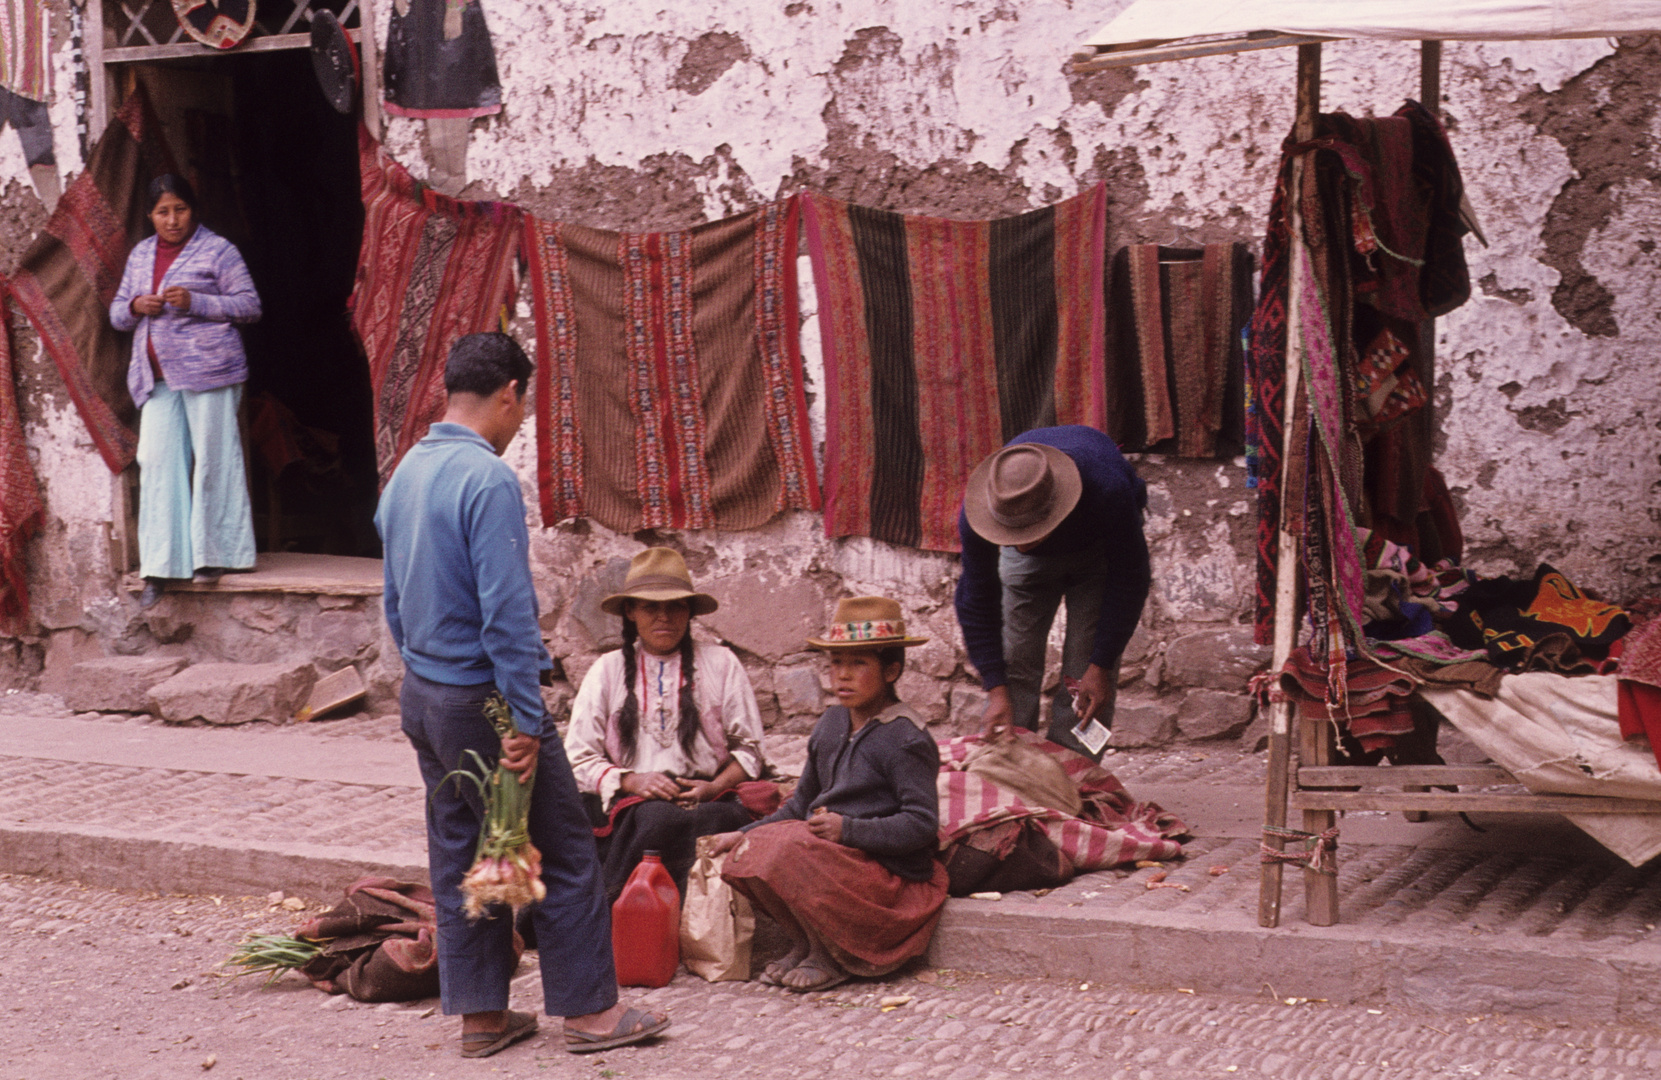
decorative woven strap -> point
(1320, 850)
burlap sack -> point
(1036, 777)
(717, 924)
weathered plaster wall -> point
(637, 115)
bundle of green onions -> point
(507, 868)
(273, 954)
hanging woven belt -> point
(1320, 850)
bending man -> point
(460, 605)
(1056, 514)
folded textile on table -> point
(1176, 365)
(1638, 669)
(1112, 828)
(21, 509)
(431, 269)
(1376, 712)
(1541, 623)
(669, 377)
(943, 340)
(66, 279)
(1562, 735)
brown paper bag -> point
(717, 923)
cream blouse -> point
(727, 711)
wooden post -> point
(1430, 76)
(1286, 580)
(98, 85)
(369, 57)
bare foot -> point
(816, 969)
(773, 974)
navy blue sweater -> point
(881, 779)
(1108, 516)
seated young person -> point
(662, 728)
(847, 865)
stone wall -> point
(650, 116)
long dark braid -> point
(628, 720)
(690, 725)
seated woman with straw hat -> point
(664, 729)
(847, 865)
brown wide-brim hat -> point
(1021, 493)
(659, 574)
(866, 622)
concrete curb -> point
(109, 859)
(1342, 964)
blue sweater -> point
(459, 599)
(1108, 516)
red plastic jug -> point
(646, 926)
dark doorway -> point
(277, 172)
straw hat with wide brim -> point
(1021, 493)
(866, 622)
(659, 574)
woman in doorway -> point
(847, 866)
(184, 290)
(664, 729)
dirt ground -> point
(111, 984)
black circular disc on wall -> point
(335, 60)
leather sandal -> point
(624, 1034)
(480, 1044)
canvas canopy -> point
(1148, 22)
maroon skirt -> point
(871, 919)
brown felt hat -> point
(659, 574)
(866, 622)
(1021, 493)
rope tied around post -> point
(1320, 851)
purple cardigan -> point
(199, 349)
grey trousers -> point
(1033, 589)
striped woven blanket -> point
(1111, 829)
(943, 340)
(669, 377)
(431, 269)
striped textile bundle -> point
(669, 376)
(943, 340)
(66, 279)
(1112, 829)
(25, 68)
(431, 269)
(1178, 357)
(21, 510)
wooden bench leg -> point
(1316, 747)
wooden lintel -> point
(1317, 776)
(1450, 802)
(1160, 54)
(134, 54)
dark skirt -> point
(431, 74)
(869, 918)
(671, 831)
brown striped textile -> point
(943, 340)
(68, 276)
(431, 269)
(669, 375)
(1176, 382)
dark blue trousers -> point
(573, 925)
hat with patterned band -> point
(659, 574)
(866, 622)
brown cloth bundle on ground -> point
(1178, 361)
(379, 943)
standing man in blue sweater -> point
(463, 612)
(1056, 514)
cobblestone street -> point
(112, 984)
